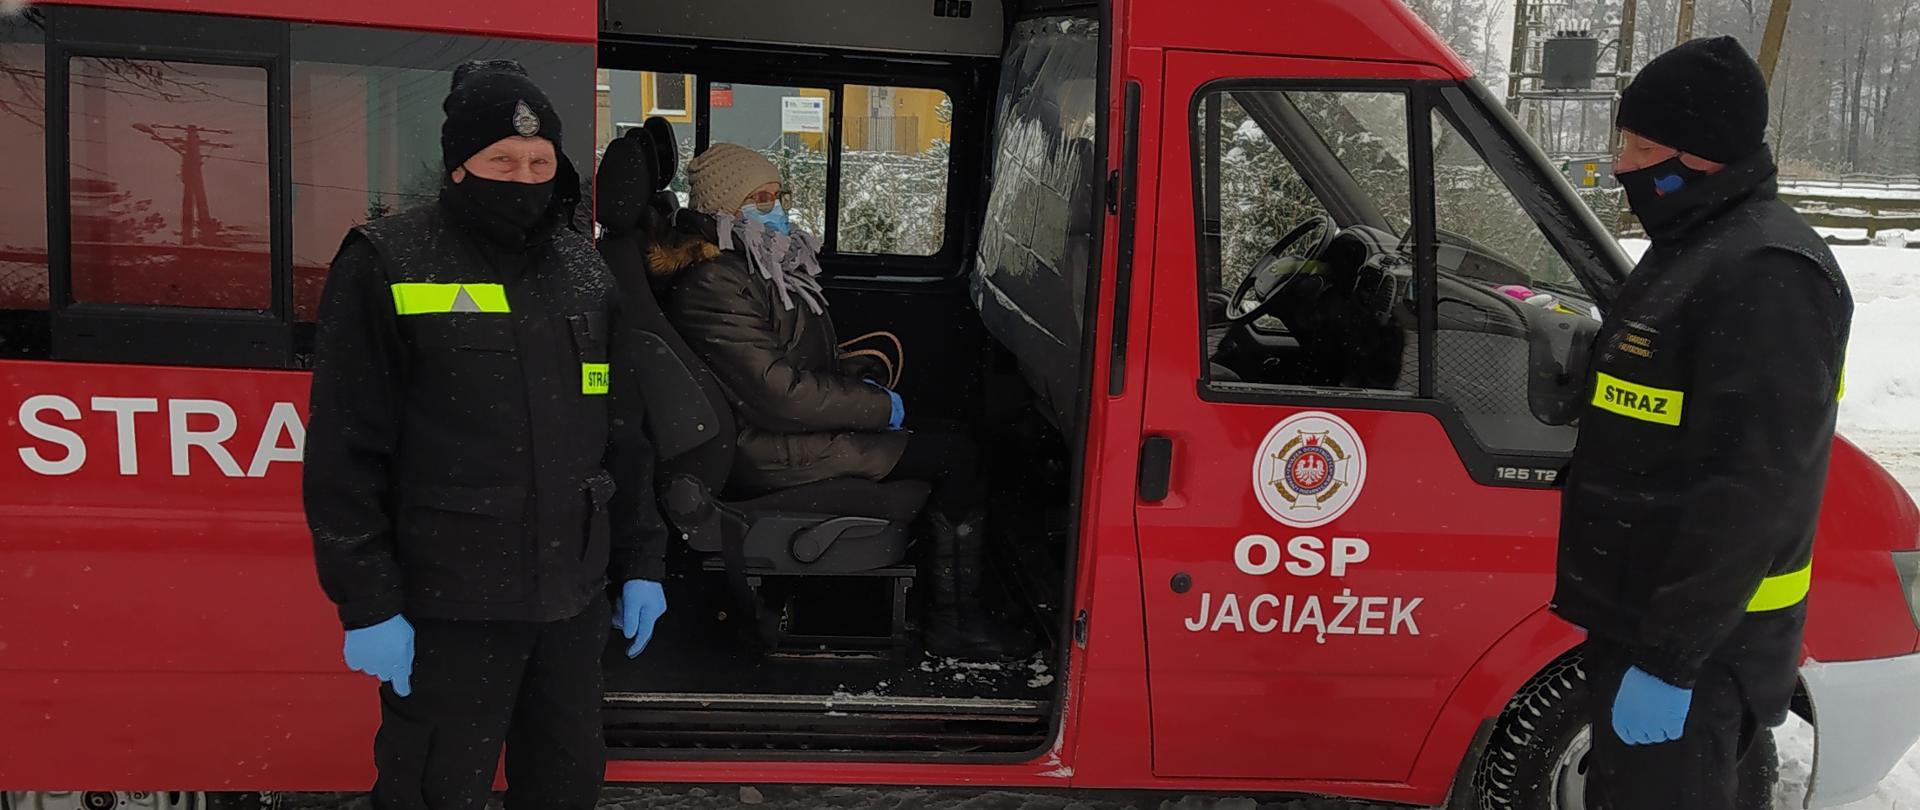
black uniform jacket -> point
(471, 413)
(1688, 516)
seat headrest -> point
(666, 151)
(625, 184)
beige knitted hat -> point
(720, 178)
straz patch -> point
(594, 378)
(1646, 403)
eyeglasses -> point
(766, 200)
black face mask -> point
(1656, 193)
(506, 211)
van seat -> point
(838, 526)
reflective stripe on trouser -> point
(417, 298)
(1782, 590)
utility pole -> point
(1775, 35)
(1622, 74)
(1517, 64)
(1623, 63)
(196, 219)
(1684, 31)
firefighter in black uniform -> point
(472, 411)
(1686, 534)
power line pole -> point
(196, 219)
(1623, 63)
(1517, 63)
(1684, 31)
(1775, 35)
(1623, 73)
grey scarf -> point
(789, 263)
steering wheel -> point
(1275, 271)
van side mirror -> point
(1559, 356)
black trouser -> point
(535, 687)
(1706, 769)
(950, 463)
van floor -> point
(701, 686)
(695, 651)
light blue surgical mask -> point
(774, 219)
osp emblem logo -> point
(1310, 469)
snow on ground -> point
(1856, 192)
(1893, 237)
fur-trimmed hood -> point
(678, 250)
(688, 242)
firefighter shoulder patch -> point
(1310, 469)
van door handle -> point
(1156, 468)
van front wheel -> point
(1537, 757)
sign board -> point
(720, 96)
(803, 114)
(1590, 173)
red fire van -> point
(1214, 281)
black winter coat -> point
(803, 416)
(461, 462)
(1690, 504)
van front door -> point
(1357, 503)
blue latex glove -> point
(640, 604)
(899, 417)
(384, 651)
(1649, 710)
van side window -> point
(202, 171)
(1481, 356)
(893, 174)
(892, 144)
(1483, 230)
(1304, 197)
(168, 185)
(24, 294)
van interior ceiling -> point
(945, 154)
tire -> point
(1536, 758)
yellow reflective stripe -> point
(594, 378)
(1782, 591)
(489, 297)
(1646, 403)
(1843, 383)
(417, 298)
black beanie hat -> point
(1706, 98)
(491, 101)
